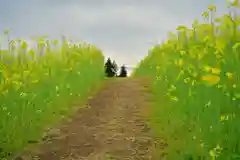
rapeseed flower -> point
(211, 79)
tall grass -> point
(38, 85)
(196, 85)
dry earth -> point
(113, 126)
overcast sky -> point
(123, 29)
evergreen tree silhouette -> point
(123, 72)
(109, 68)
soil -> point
(113, 125)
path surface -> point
(112, 127)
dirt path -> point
(112, 127)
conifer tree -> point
(123, 72)
(109, 71)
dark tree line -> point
(111, 69)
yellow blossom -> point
(215, 71)
(229, 75)
(207, 68)
(180, 62)
(211, 79)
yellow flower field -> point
(196, 85)
(37, 85)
